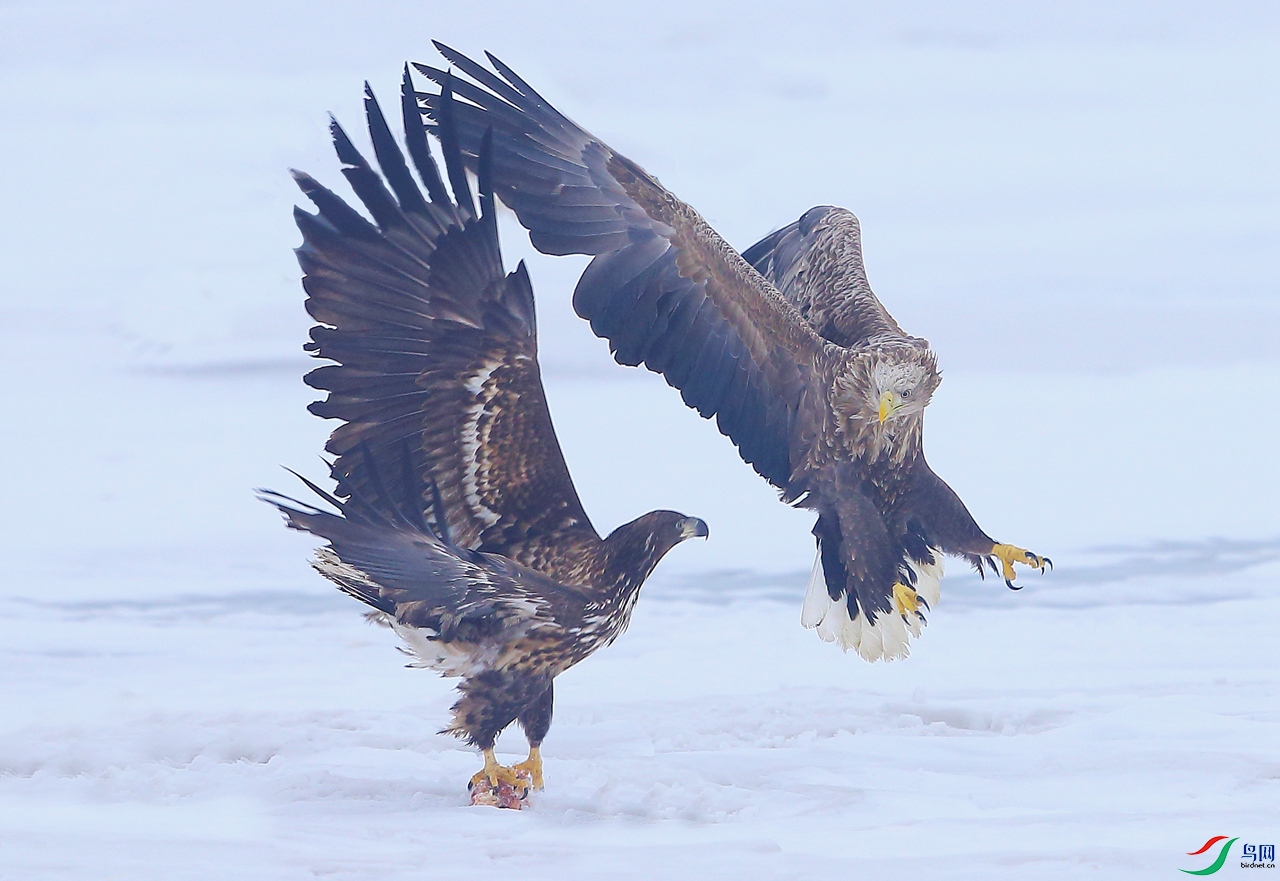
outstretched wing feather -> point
(663, 287)
(434, 346)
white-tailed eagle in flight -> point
(785, 346)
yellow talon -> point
(531, 768)
(1010, 554)
(494, 775)
(905, 599)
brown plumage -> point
(795, 357)
(456, 519)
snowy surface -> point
(1080, 208)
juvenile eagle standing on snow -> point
(458, 521)
(786, 346)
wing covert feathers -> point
(816, 263)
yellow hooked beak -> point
(889, 404)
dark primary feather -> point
(415, 138)
(391, 160)
(664, 288)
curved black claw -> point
(1009, 584)
(1047, 562)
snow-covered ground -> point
(1079, 207)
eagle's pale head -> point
(883, 393)
(903, 380)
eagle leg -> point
(535, 719)
(1010, 554)
(531, 768)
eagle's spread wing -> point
(435, 346)
(663, 287)
(816, 263)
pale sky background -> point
(1062, 199)
(1077, 203)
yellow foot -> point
(1009, 554)
(905, 599)
(531, 767)
(498, 785)
(499, 776)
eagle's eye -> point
(906, 393)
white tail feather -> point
(928, 578)
(448, 659)
(816, 599)
(890, 636)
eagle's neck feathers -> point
(633, 550)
